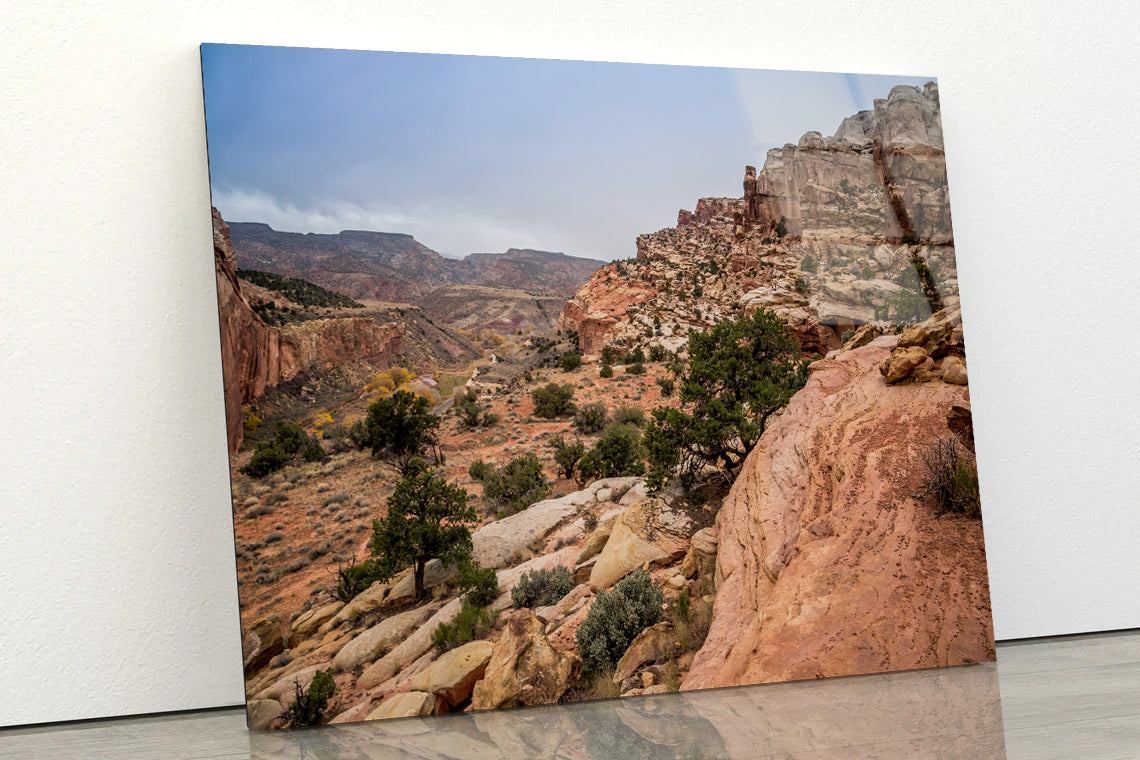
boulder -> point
(901, 364)
(652, 644)
(260, 714)
(705, 541)
(369, 645)
(960, 420)
(497, 544)
(261, 642)
(864, 335)
(954, 371)
(283, 688)
(370, 599)
(594, 544)
(933, 334)
(308, 622)
(646, 532)
(409, 649)
(410, 704)
(524, 668)
(454, 674)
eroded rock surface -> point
(827, 564)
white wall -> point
(117, 574)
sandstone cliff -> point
(824, 234)
(827, 563)
(256, 357)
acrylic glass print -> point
(506, 428)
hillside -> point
(501, 310)
(397, 268)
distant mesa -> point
(395, 267)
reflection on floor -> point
(1075, 697)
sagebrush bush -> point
(615, 619)
(472, 622)
(541, 588)
(629, 415)
(591, 418)
(952, 477)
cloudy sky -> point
(479, 154)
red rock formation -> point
(827, 564)
(600, 304)
(256, 356)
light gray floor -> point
(1076, 697)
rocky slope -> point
(500, 310)
(825, 234)
(256, 357)
(828, 564)
(397, 268)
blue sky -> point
(480, 154)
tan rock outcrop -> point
(652, 644)
(308, 622)
(454, 674)
(410, 704)
(409, 649)
(646, 532)
(383, 636)
(827, 565)
(524, 668)
(261, 642)
(261, 714)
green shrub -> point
(666, 384)
(658, 353)
(312, 451)
(271, 456)
(354, 578)
(553, 400)
(591, 418)
(952, 478)
(308, 708)
(809, 264)
(480, 584)
(739, 374)
(567, 455)
(635, 369)
(472, 622)
(541, 588)
(616, 454)
(266, 459)
(569, 361)
(479, 469)
(629, 415)
(636, 356)
(613, 355)
(615, 619)
(606, 371)
(517, 485)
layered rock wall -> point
(838, 220)
(827, 563)
(256, 357)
